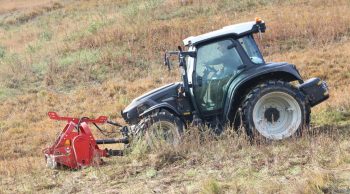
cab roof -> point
(236, 29)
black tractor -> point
(226, 82)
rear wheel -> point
(275, 110)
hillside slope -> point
(89, 58)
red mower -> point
(76, 147)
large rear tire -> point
(275, 110)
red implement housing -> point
(75, 147)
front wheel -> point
(162, 128)
(276, 110)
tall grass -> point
(203, 163)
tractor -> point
(225, 83)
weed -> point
(81, 58)
(211, 187)
(151, 173)
(2, 51)
(34, 47)
(46, 35)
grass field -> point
(91, 58)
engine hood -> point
(140, 104)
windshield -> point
(251, 49)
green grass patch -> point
(40, 67)
(7, 92)
(212, 187)
(331, 116)
(2, 52)
(95, 26)
(191, 173)
(151, 173)
(91, 29)
(46, 35)
(34, 47)
(81, 57)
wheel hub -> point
(272, 114)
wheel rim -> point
(164, 132)
(277, 115)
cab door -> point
(215, 66)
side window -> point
(219, 56)
(216, 64)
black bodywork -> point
(170, 97)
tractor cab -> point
(220, 57)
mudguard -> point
(164, 96)
(163, 105)
(250, 77)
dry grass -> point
(90, 58)
(312, 164)
(8, 6)
(20, 12)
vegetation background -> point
(91, 58)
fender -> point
(163, 105)
(253, 76)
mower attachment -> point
(76, 147)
